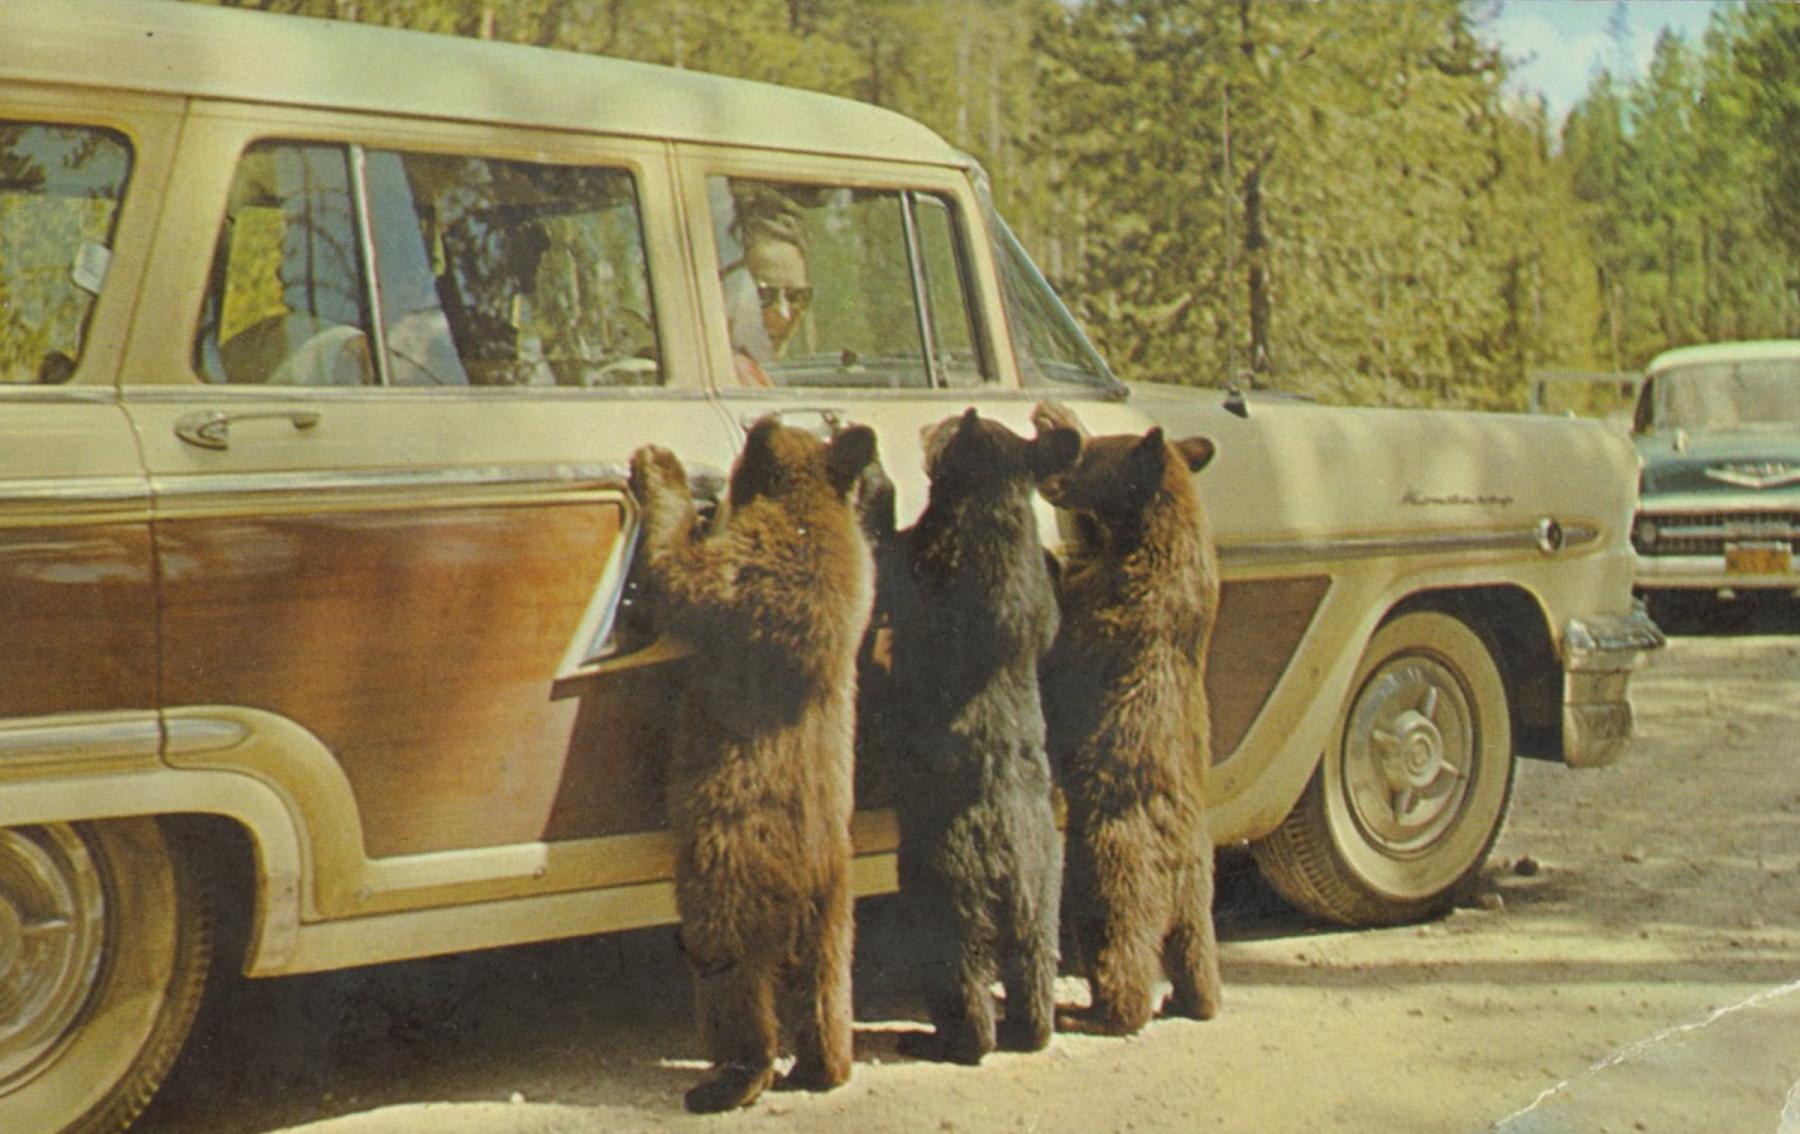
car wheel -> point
(105, 942)
(1404, 807)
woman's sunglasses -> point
(769, 295)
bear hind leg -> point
(1192, 951)
(1030, 983)
(1030, 974)
(817, 1005)
(962, 1011)
(1122, 973)
(738, 1024)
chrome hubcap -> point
(1408, 753)
(52, 930)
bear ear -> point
(969, 418)
(1148, 459)
(1053, 451)
(1197, 451)
(848, 454)
(757, 470)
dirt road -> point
(1631, 964)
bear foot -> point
(1200, 1006)
(810, 1078)
(1099, 1022)
(932, 1047)
(1023, 1035)
(733, 1085)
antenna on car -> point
(1234, 395)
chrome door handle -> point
(211, 429)
(829, 419)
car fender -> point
(94, 767)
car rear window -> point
(60, 188)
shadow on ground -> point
(613, 1012)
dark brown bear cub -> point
(980, 858)
(1125, 697)
(774, 603)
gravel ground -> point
(1631, 963)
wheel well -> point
(1517, 633)
(225, 857)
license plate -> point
(1758, 559)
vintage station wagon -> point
(322, 352)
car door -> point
(388, 426)
(840, 291)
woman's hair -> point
(763, 213)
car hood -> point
(1751, 462)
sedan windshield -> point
(1722, 396)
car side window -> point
(953, 323)
(832, 286)
(288, 302)
(60, 189)
(486, 272)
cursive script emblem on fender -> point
(1454, 499)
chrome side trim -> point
(72, 490)
(1525, 538)
(202, 734)
(214, 396)
(96, 740)
(85, 395)
(566, 477)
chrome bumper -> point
(1599, 654)
(1705, 573)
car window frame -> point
(150, 125)
(369, 274)
(218, 132)
(698, 163)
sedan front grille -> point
(1707, 533)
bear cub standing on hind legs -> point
(1128, 725)
(774, 603)
(980, 858)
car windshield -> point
(1724, 396)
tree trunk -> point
(1256, 244)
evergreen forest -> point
(1334, 198)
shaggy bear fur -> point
(1125, 696)
(980, 858)
(774, 603)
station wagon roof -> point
(1745, 351)
(199, 51)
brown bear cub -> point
(980, 858)
(1128, 728)
(774, 602)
